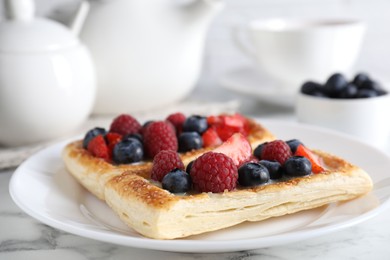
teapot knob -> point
(21, 10)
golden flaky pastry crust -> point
(157, 213)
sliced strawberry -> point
(233, 121)
(98, 147)
(112, 139)
(214, 120)
(236, 147)
(314, 159)
(210, 138)
(225, 132)
(227, 125)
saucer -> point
(249, 81)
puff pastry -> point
(156, 213)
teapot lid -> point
(35, 35)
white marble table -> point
(22, 237)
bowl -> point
(362, 118)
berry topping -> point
(211, 138)
(112, 139)
(293, 143)
(195, 124)
(189, 141)
(144, 126)
(189, 166)
(128, 151)
(251, 174)
(125, 124)
(177, 181)
(237, 148)
(274, 168)
(258, 150)
(251, 159)
(314, 159)
(227, 125)
(159, 136)
(91, 134)
(277, 150)
(177, 120)
(136, 136)
(164, 162)
(297, 166)
(98, 147)
(214, 172)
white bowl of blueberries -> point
(358, 107)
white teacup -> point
(293, 51)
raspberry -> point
(98, 147)
(177, 120)
(125, 124)
(164, 162)
(158, 136)
(277, 150)
(214, 172)
(112, 139)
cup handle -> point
(238, 35)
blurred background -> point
(221, 54)
(221, 57)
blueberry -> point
(189, 167)
(147, 123)
(91, 134)
(313, 89)
(360, 78)
(251, 174)
(177, 181)
(366, 93)
(274, 168)
(373, 85)
(349, 91)
(195, 124)
(136, 136)
(294, 143)
(189, 141)
(258, 149)
(335, 84)
(297, 166)
(128, 151)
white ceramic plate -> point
(43, 189)
(247, 80)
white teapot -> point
(47, 79)
(147, 53)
